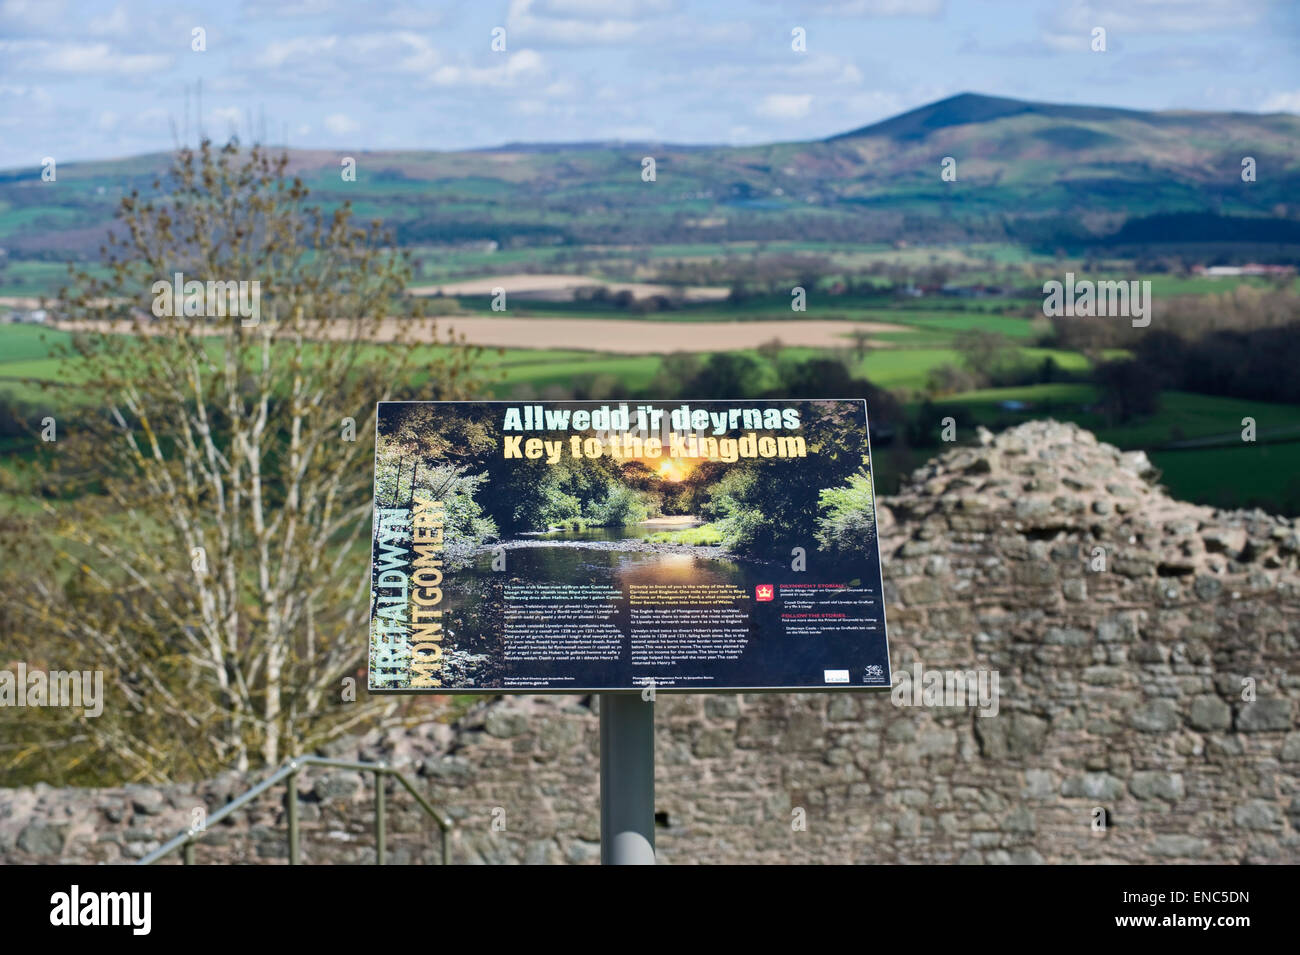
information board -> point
(608, 545)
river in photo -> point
(620, 555)
(617, 556)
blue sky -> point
(82, 80)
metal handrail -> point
(187, 839)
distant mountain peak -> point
(966, 108)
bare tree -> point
(204, 537)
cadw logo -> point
(764, 592)
(103, 908)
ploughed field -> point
(614, 336)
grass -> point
(1051, 394)
(1182, 415)
(23, 342)
(950, 323)
(632, 372)
(1234, 474)
(1247, 475)
(703, 535)
(32, 279)
(905, 368)
(28, 364)
(1186, 415)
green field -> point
(1181, 416)
(1247, 475)
(31, 372)
(906, 368)
(1230, 473)
(25, 342)
(1233, 473)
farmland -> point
(772, 267)
(596, 349)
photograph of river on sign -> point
(603, 546)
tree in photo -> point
(848, 519)
(204, 534)
(763, 507)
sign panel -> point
(585, 546)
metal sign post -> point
(627, 779)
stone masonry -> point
(1146, 652)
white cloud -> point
(402, 52)
(38, 56)
(876, 8)
(399, 51)
(587, 23)
(287, 9)
(577, 31)
(114, 24)
(34, 95)
(785, 105)
(867, 107)
(1153, 16)
(638, 132)
(225, 118)
(825, 68)
(280, 53)
(560, 89)
(1064, 42)
(411, 16)
(154, 118)
(525, 61)
(32, 16)
(517, 67)
(1282, 103)
(623, 9)
(340, 124)
(600, 9)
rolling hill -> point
(1035, 173)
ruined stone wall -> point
(1126, 630)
